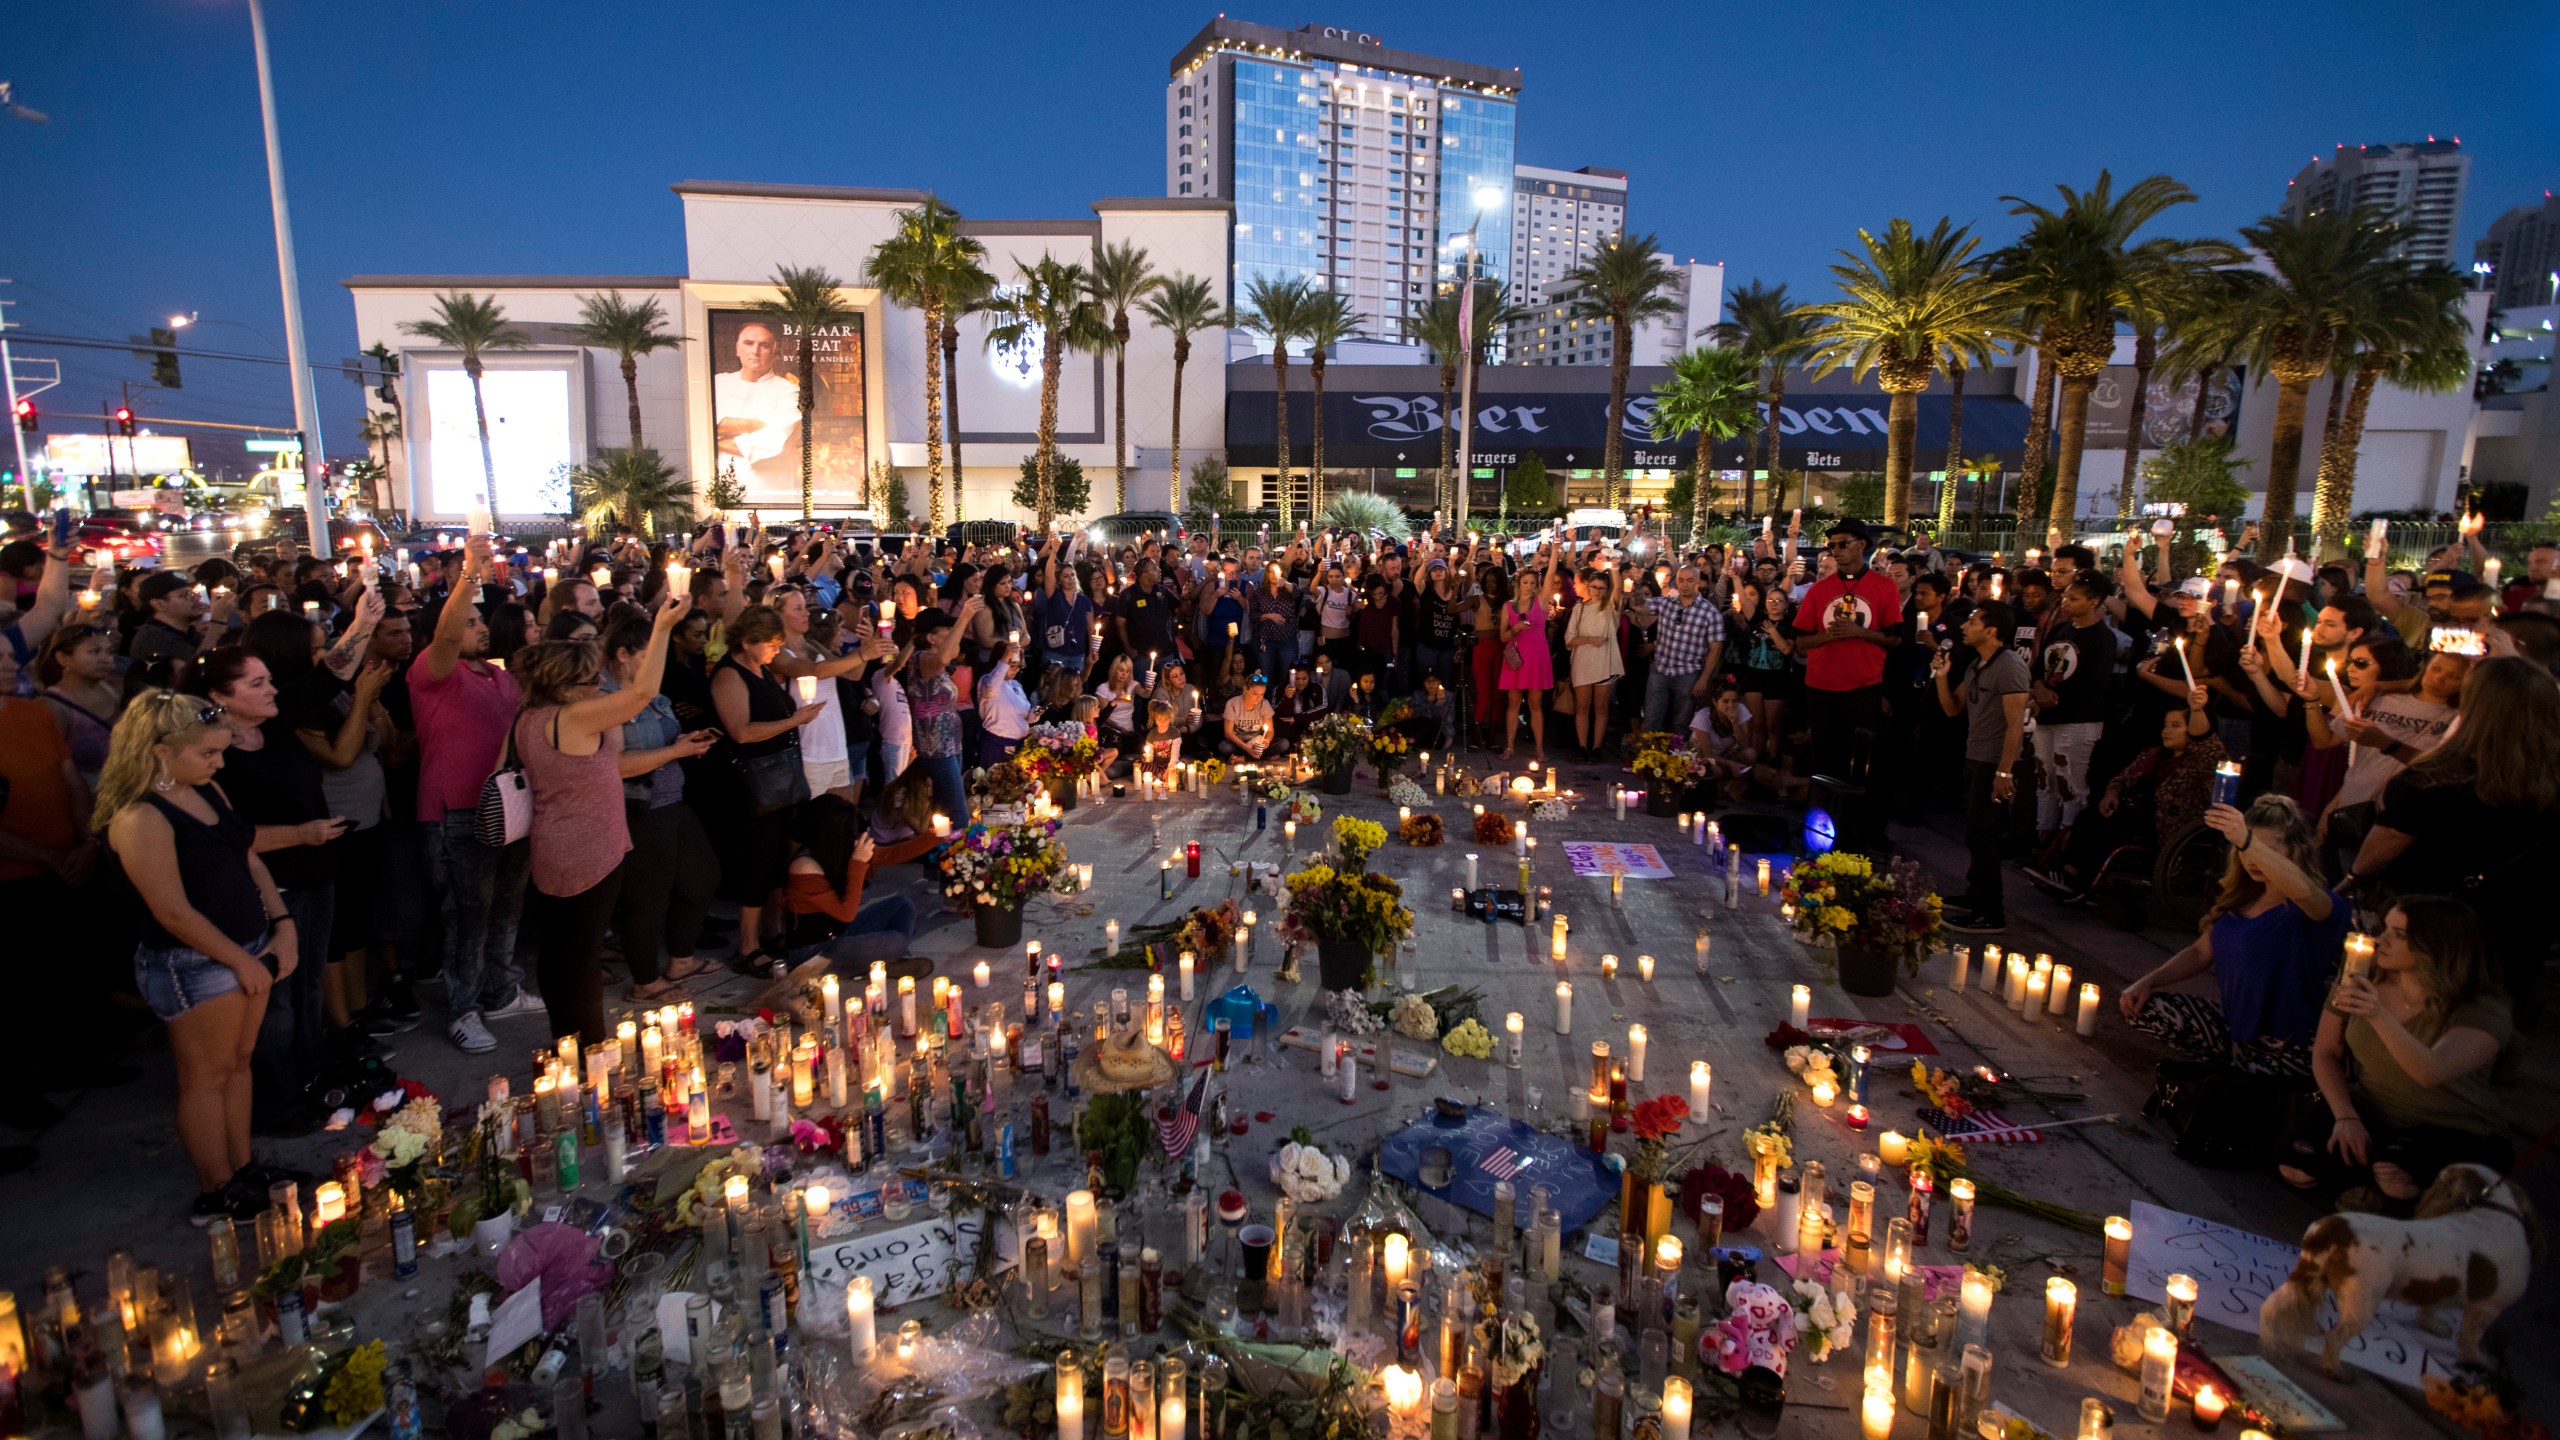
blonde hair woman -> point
(215, 932)
(2271, 941)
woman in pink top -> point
(568, 737)
(1528, 666)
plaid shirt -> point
(1681, 635)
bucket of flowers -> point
(990, 870)
(1388, 748)
(1059, 756)
(1871, 915)
(1004, 788)
(1333, 745)
(1665, 763)
(1349, 914)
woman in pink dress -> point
(1528, 669)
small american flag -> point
(1981, 1127)
(1176, 1126)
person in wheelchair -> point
(2166, 789)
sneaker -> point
(469, 1035)
(525, 1003)
(210, 1206)
(258, 1176)
(1975, 923)
(381, 1020)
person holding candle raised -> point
(2403, 1059)
(1993, 699)
(568, 736)
(671, 871)
(216, 934)
(2271, 940)
(748, 809)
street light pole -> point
(1466, 377)
(306, 400)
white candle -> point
(864, 1327)
(1520, 839)
(2059, 989)
(1172, 1416)
(979, 975)
(1698, 828)
(2159, 1369)
(1289, 837)
(1555, 935)
(1702, 1079)
(2184, 663)
(1973, 1310)
(1824, 1092)
(1111, 939)
(1635, 1054)
(1764, 875)
(1398, 1256)
(1564, 1007)
(2088, 1007)
(1963, 958)
(1513, 1025)
(1184, 963)
(1644, 968)
(1875, 1413)
(1080, 1221)
(1471, 870)
(1800, 1006)
(1702, 945)
(1676, 1406)
(941, 827)
(807, 685)
(2015, 996)
(1070, 1395)
(2037, 982)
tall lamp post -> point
(306, 401)
(1486, 197)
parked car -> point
(1131, 524)
(346, 536)
(129, 537)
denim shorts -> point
(175, 979)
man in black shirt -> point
(2074, 668)
(1142, 620)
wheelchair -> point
(2175, 880)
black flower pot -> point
(1336, 781)
(1659, 800)
(999, 928)
(1866, 969)
(1342, 964)
(1062, 793)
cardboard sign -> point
(2236, 1271)
(909, 1263)
(1601, 857)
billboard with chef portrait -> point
(755, 410)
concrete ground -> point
(112, 1174)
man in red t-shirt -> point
(1847, 619)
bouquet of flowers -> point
(1645, 742)
(1414, 1018)
(1830, 1320)
(1345, 906)
(1656, 1121)
(1512, 1346)
(710, 1181)
(1335, 742)
(1356, 838)
(1304, 808)
(1270, 787)
(1672, 768)
(1395, 712)
(1493, 828)
(1842, 897)
(407, 1137)
(1961, 1095)
(1813, 1065)
(1307, 1175)
(1001, 866)
(1212, 771)
(1387, 748)
(1401, 790)
(1003, 783)
(1347, 1012)
(1469, 1038)
(1058, 754)
(1420, 831)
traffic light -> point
(164, 357)
(389, 390)
(27, 419)
(124, 420)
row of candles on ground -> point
(120, 1356)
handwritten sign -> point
(1600, 857)
(2236, 1271)
(908, 1263)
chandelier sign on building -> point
(1017, 361)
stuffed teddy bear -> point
(1759, 1328)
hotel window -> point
(1186, 150)
(1186, 132)
(1186, 187)
(1186, 110)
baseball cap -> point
(2196, 587)
(2460, 582)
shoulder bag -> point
(505, 813)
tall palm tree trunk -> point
(2284, 464)
(1901, 437)
(488, 459)
(1777, 400)
(933, 321)
(2333, 494)
(1045, 492)
(2146, 353)
(2039, 436)
(2063, 510)
(1120, 412)
(1955, 448)
(631, 393)
(1280, 404)
(1698, 483)
(951, 409)
(1315, 473)
(808, 445)
(2204, 388)
(1614, 446)
(1173, 487)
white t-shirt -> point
(1003, 709)
(2421, 724)
(1116, 710)
(1703, 723)
(822, 740)
(897, 722)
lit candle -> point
(906, 1004)
(2119, 1248)
(1973, 1309)
(1564, 1007)
(1184, 964)
(1764, 874)
(328, 1203)
(1471, 870)
(1080, 1222)
(2159, 1372)
(1677, 1406)
(1635, 1054)
(2059, 995)
(2209, 1408)
(2061, 1299)
(1857, 1117)
(1875, 1413)
(2015, 995)
(1701, 1080)
(807, 686)
(1111, 939)
(1799, 1005)
(861, 1323)
(1555, 937)
(1699, 949)
(979, 975)
(1289, 837)
(1242, 936)
(1398, 1255)
(1893, 1149)
(2033, 1004)
(1520, 839)
(1514, 1025)
(2179, 1299)
(1070, 1387)
(941, 827)
(1824, 1092)
(1173, 1416)
(1404, 1397)
(1608, 967)
(1644, 968)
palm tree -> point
(913, 266)
(629, 487)
(1626, 283)
(1330, 320)
(379, 427)
(1715, 391)
(1765, 325)
(1121, 278)
(2207, 328)
(1434, 326)
(2078, 267)
(1905, 300)
(1278, 308)
(807, 300)
(474, 325)
(968, 289)
(1049, 302)
(1182, 305)
(1958, 354)
(630, 331)
(2318, 266)
(2409, 331)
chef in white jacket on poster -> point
(756, 410)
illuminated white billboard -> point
(117, 454)
(530, 425)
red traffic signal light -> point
(27, 415)
(124, 420)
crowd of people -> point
(332, 781)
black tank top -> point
(766, 700)
(213, 862)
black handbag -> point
(774, 781)
(2223, 1118)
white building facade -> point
(1550, 334)
(2418, 183)
(723, 403)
